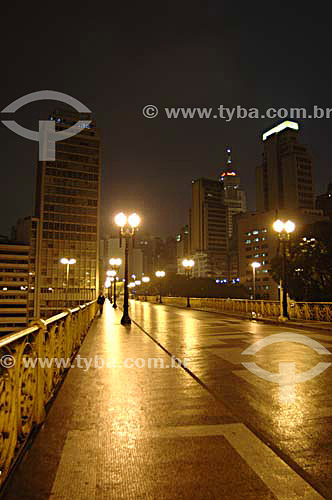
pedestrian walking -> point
(101, 301)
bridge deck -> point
(117, 432)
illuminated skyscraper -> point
(208, 229)
(284, 179)
(234, 197)
(67, 206)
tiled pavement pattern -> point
(156, 433)
(301, 432)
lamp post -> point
(67, 263)
(284, 229)
(188, 264)
(160, 275)
(108, 280)
(108, 285)
(254, 265)
(128, 227)
(113, 280)
(115, 265)
(145, 280)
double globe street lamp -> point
(145, 280)
(115, 265)
(188, 265)
(67, 262)
(128, 227)
(160, 275)
(284, 230)
(254, 265)
(108, 286)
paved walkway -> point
(147, 433)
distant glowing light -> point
(188, 263)
(115, 262)
(120, 219)
(66, 261)
(278, 226)
(289, 226)
(134, 220)
(280, 127)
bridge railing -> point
(26, 385)
(313, 311)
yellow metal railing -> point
(312, 311)
(25, 386)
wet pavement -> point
(211, 431)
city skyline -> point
(152, 224)
(165, 251)
(194, 56)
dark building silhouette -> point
(324, 201)
(284, 180)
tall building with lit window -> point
(284, 180)
(234, 197)
(67, 206)
(27, 231)
(182, 248)
(208, 228)
(258, 242)
(14, 285)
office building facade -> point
(234, 197)
(14, 286)
(208, 227)
(284, 180)
(67, 206)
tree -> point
(309, 264)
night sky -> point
(117, 60)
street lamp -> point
(108, 279)
(115, 265)
(188, 264)
(128, 227)
(107, 285)
(160, 275)
(112, 274)
(67, 262)
(254, 265)
(284, 229)
(145, 280)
